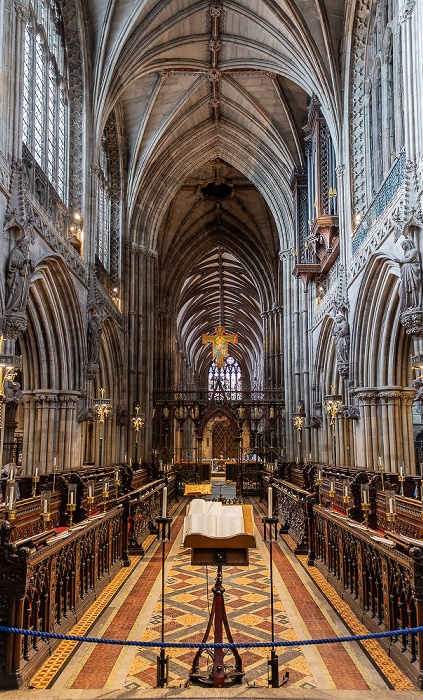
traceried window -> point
(384, 122)
(45, 92)
(230, 378)
(104, 207)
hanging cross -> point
(220, 344)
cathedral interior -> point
(211, 296)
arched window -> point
(376, 126)
(45, 93)
(230, 378)
(390, 98)
(104, 207)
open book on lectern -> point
(210, 524)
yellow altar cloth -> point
(197, 489)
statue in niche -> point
(410, 290)
(341, 333)
(19, 271)
(94, 332)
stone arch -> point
(53, 354)
(109, 378)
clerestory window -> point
(45, 93)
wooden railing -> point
(48, 582)
(379, 571)
(382, 584)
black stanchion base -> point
(273, 674)
(162, 669)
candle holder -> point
(401, 479)
(105, 495)
(90, 496)
(71, 507)
(116, 481)
(71, 504)
(46, 519)
(90, 502)
(54, 474)
(365, 507)
(10, 505)
(45, 514)
(365, 503)
(319, 482)
(35, 481)
(332, 494)
(391, 510)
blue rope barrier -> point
(224, 645)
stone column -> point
(287, 258)
(141, 265)
(411, 119)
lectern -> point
(220, 552)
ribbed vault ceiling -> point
(199, 82)
(218, 214)
(195, 80)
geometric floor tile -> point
(187, 602)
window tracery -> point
(230, 378)
(45, 92)
(384, 70)
(104, 207)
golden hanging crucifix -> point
(220, 344)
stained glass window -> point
(45, 90)
(230, 378)
(104, 208)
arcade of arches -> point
(211, 273)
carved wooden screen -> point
(224, 441)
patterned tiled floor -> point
(301, 611)
(248, 607)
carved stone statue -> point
(18, 276)
(351, 412)
(12, 391)
(94, 332)
(410, 291)
(341, 332)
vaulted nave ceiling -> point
(183, 99)
(195, 83)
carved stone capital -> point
(412, 320)
(351, 412)
(90, 370)
(406, 11)
(286, 254)
(343, 368)
(21, 11)
(141, 250)
(418, 386)
(13, 324)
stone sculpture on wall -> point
(410, 290)
(94, 332)
(341, 333)
(18, 276)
